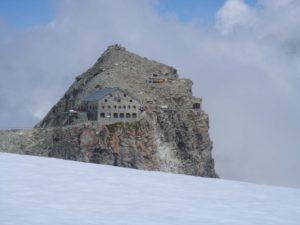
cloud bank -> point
(246, 69)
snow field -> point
(45, 191)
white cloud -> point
(247, 72)
(234, 13)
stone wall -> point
(115, 107)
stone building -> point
(110, 105)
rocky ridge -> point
(174, 140)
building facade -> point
(110, 105)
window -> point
(130, 100)
(116, 115)
(103, 107)
(134, 115)
(129, 107)
(120, 107)
(115, 106)
(108, 107)
(134, 107)
(121, 115)
(119, 100)
(125, 95)
(196, 106)
(124, 106)
(127, 115)
(105, 100)
(102, 115)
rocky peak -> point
(119, 68)
(172, 135)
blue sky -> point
(19, 13)
(22, 14)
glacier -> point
(46, 191)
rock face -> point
(172, 135)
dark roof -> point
(99, 94)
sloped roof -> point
(99, 94)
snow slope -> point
(38, 191)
